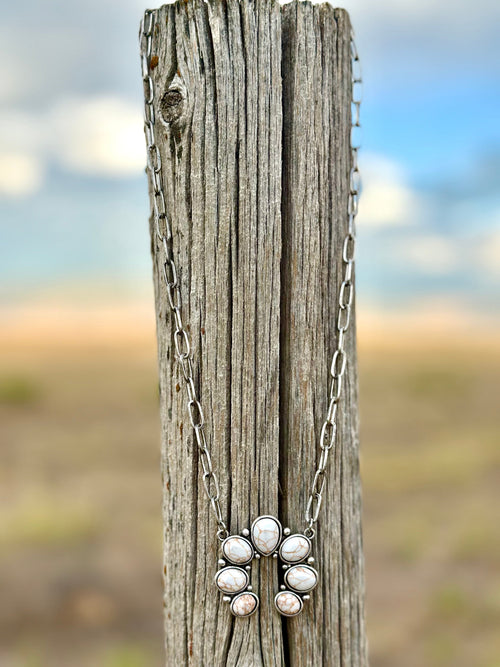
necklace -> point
(265, 537)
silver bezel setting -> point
(239, 537)
(232, 567)
(307, 567)
(290, 593)
(238, 596)
(273, 518)
(295, 562)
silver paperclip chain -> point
(163, 230)
(346, 297)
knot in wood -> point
(172, 105)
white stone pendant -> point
(266, 538)
(244, 604)
(301, 578)
(288, 603)
(266, 535)
(231, 580)
(295, 549)
(237, 550)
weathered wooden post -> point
(253, 123)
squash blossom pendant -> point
(266, 538)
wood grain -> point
(253, 103)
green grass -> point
(450, 602)
(431, 382)
(128, 655)
(45, 521)
(444, 460)
(18, 390)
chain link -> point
(346, 298)
(182, 341)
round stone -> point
(266, 534)
(301, 578)
(231, 580)
(244, 604)
(295, 548)
(237, 550)
(288, 603)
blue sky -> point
(73, 205)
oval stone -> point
(266, 534)
(301, 578)
(231, 580)
(237, 550)
(288, 603)
(244, 604)
(295, 548)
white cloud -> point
(97, 136)
(386, 200)
(439, 255)
(20, 174)
(430, 254)
(20, 130)
(100, 136)
(488, 253)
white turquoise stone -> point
(301, 578)
(295, 549)
(237, 550)
(244, 604)
(231, 580)
(288, 603)
(266, 534)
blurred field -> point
(80, 554)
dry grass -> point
(431, 463)
(80, 534)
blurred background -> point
(80, 553)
